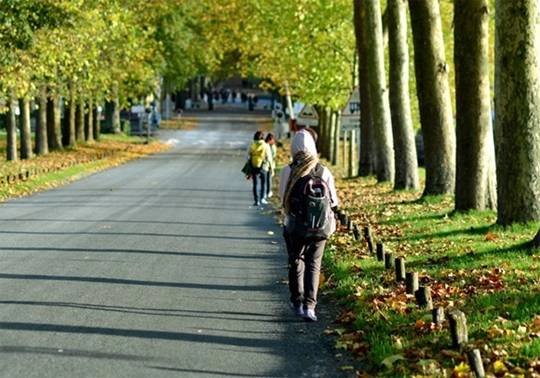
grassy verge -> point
(469, 263)
(58, 168)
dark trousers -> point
(304, 269)
(259, 179)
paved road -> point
(159, 268)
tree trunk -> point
(378, 94)
(433, 97)
(367, 162)
(336, 137)
(517, 110)
(26, 132)
(42, 143)
(116, 112)
(535, 243)
(11, 128)
(473, 104)
(89, 121)
(79, 121)
(404, 144)
(54, 136)
(325, 132)
(70, 133)
(97, 122)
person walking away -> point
(304, 138)
(309, 199)
(271, 142)
(260, 157)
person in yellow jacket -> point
(260, 158)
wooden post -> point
(389, 261)
(423, 297)
(400, 269)
(438, 315)
(475, 361)
(380, 252)
(367, 232)
(458, 329)
(356, 232)
(411, 282)
(349, 224)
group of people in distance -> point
(309, 200)
(262, 155)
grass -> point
(470, 264)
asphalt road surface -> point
(158, 268)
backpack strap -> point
(317, 171)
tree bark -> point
(535, 243)
(54, 135)
(367, 162)
(79, 121)
(473, 105)
(97, 122)
(400, 104)
(89, 122)
(26, 132)
(517, 110)
(69, 134)
(378, 94)
(42, 143)
(116, 112)
(336, 137)
(433, 97)
(11, 128)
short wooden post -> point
(370, 246)
(475, 361)
(438, 315)
(367, 232)
(458, 328)
(341, 216)
(411, 282)
(400, 269)
(380, 252)
(356, 232)
(389, 261)
(423, 297)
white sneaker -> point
(270, 194)
(264, 201)
(309, 315)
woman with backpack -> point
(309, 199)
(260, 158)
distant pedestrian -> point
(260, 158)
(309, 199)
(271, 142)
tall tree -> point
(378, 93)
(367, 162)
(26, 132)
(517, 110)
(434, 97)
(54, 134)
(42, 144)
(11, 148)
(475, 163)
(400, 104)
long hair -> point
(303, 163)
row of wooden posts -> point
(25, 174)
(456, 319)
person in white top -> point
(305, 254)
